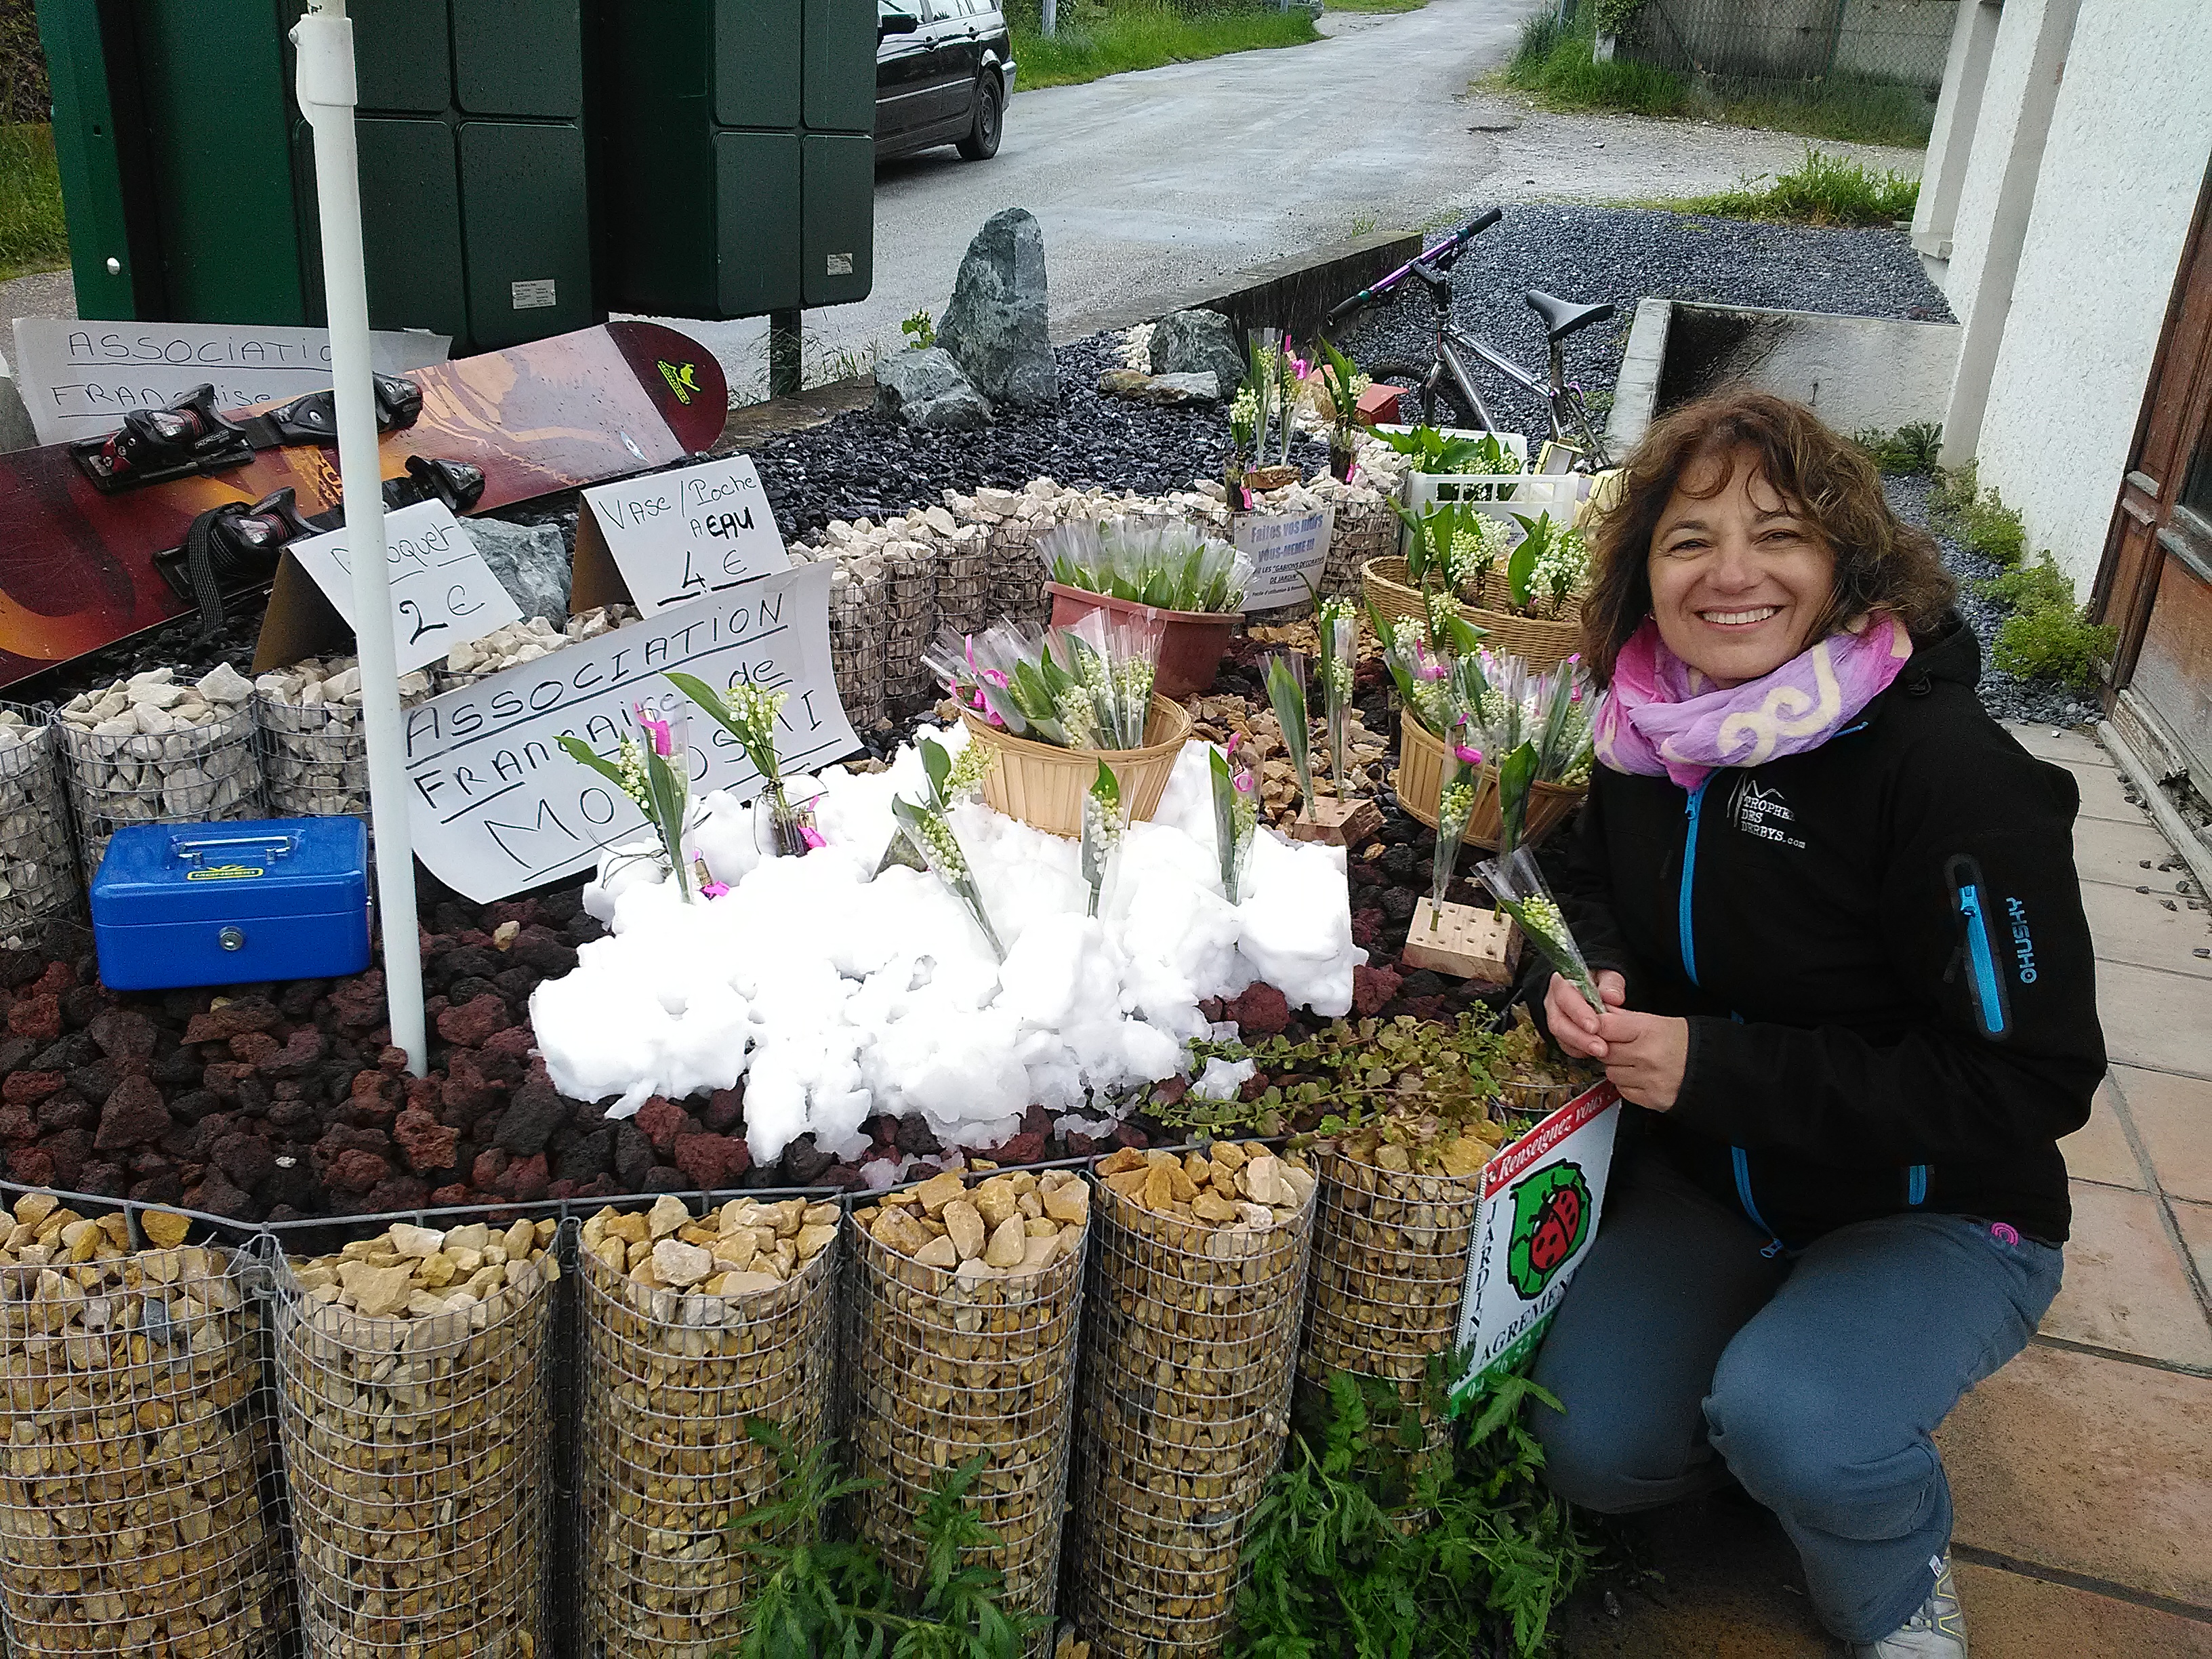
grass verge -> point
(34, 236)
(1555, 65)
(1141, 37)
(1821, 189)
(1373, 5)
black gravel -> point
(1594, 255)
(2039, 702)
(862, 466)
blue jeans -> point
(1682, 1356)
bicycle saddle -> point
(1561, 318)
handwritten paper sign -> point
(1287, 550)
(1541, 1200)
(676, 537)
(79, 379)
(497, 806)
(442, 591)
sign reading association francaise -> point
(497, 806)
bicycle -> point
(1444, 382)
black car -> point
(944, 70)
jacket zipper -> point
(1741, 1158)
(1916, 1185)
(1985, 985)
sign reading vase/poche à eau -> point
(496, 805)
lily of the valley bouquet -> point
(1519, 888)
(1085, 686)
(1173, 566)
(928, 831)
(749, 713)
(655, 772)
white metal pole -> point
(324, 41)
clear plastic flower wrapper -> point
(1235, 816)
(1105, 821)
(749, 714)
(1175, 567)
(1338, 628)
(1285, 676)
(655, 773)
(1519, 888)
(1085, 686)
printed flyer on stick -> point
(1541, 1200)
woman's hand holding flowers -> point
(1644, 1054)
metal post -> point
(1051, 24)
(783, 374)
(324, 41)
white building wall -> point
(2122, 168)
(1995, 136)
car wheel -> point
(982, 142)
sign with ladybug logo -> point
(1541, 1200)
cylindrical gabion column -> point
(856, 639)
(962, 1339)
(910, 615)
(194, 769)
(1017, 574)
(1390, 1254)
(411, 1370)
(691, 1328)
(963, 579)
(131, 1504)
(314, 760)
(38, 868)
(1196, 1284)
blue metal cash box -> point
(225, 903)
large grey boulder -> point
(1197, 342)
(927, 389)
(999, 322)
(531, 563)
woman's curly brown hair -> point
(1882, 562)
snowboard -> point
(77, 565)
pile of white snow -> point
(839, 993)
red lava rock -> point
(726, 1110)
(216, 1195)
(34, 1166)
(467, 1093)
(245, 1158)
(515, 1043)
(303, 1050)
(374, 1089)
(475, 1020)
(29, 1088)
(490, 1165)
(1170, 1092)
(58, 977)
(712, 1161)
(134, 1114)
(426, 1143)
(222, 1077)
(422, 1094)
(1260, 1011)
(391, 1060)
(1022, 1149)
(1372, 986)
(37, 1017)
(16, 1124)
(256, 1048)
(525, 1180)
(232, 1020)
(1128, 1135)
(662, 1120)
(359, 1002)
(354, 1170)
(1213, 1008)
(450, 1198)
(124, 1034)
(1365, 924)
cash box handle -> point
(191, 851)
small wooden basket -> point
(1043, 785)
(1540, 643)
(1420, 781)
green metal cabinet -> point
(735, 155)
(186, 163)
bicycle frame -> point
(1559, 397)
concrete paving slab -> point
(2102, 796)
(2093, 1466)
(2172, 1115)
(2157, 1019)
(2194, 1222)
(2127, 854)
(2126, 1287)
(2009, 1613)
(2099, 1150)
(2068, 746)
(2126, 926)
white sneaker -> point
(1936, 1631)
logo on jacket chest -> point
(1759, 810)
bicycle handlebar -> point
(1440, 258)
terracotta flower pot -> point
(1420, 781)
(1191, 644)
(1043, 785)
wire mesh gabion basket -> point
(944, 1364)
(910, 615)
(671, 1378)
(38, 868)
(1186, 1395)
(132, 1513)
(1389, 1271)
(314, 760)
(193, 774)
(856, 642)
(415, 1432)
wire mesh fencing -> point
(1795, 43)
(38, 866)
(191, 774)
(1193, 1329)
(947, 1361)
(416, 1425)
(672, 1374)
(132, 1517)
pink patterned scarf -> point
(1661, 715)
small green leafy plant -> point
(1431, 450)
(921, 329)
(1372, 1545)
(1911, 449)
(1962, 509)
(831, 1598)
(2048, 636)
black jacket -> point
(1881, 950)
